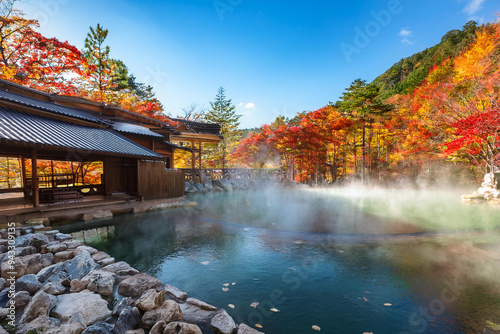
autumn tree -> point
(223, 112)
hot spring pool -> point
(348, 261)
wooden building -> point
(65, 137)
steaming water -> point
(334, 259)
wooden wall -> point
(114, 178)
(155, 181)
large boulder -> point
(123, 304)
(195, 315)
(80, 265)
(150, 300)
(129, 319)
(100, 328)
(223, 323)
(40, 325)
(28, 283)
(29, 264)
(38, 306)
(168, 312)
(135, 286)
(56, 247)
(100, 281)
(121, 269)
(38, 240)
(46, 272)
(89, 307)
(181, 328)
(172, 291)
(244, 329)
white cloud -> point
(473, 6)
(249, 105)
(240, 105)
(406, 33)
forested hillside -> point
(434, 114)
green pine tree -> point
(223, 112)
(97, 54)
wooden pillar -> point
(193, 157)
(23, 172)
(199, 157)
(34, 173)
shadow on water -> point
(352, 279)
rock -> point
(129, 318)
(38, 240)
(181, 328)
(123, 304)
(73, 328)
(89, 249)
(223, 323)
(99, 214)
(23, 240)
(158, 327)
(56, 248)
(135, 286)
(64, 256)
(90, 307)
(136, 331)
(59, 276)
(54, 288)
(73, 244)
(29, 264)
(244, 329)
(2, 283)
(46, 272)
(176, 293)
(47, 259)
(150, 300)
(100, 256)
(37, 221)
(100, 281)
(80, 265)
(77, 285)
(201, 304)
(22, 251)
(62, 236)
(38, 306)
(4, 312)
(196, 315)
(105, 262)
(100, 328)
(199, 187)
(169, 311)
(28, 283)
(22, 298)
(121, 269)
(45, 323)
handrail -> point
(211, 174)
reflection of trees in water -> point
(147, 241)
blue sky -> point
(273, 57)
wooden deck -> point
(19, 210)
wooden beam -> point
(193, 157)
(34, 173)
(23, 172)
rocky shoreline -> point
(53, 284)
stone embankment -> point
(63, 286)
(488, 191)
(220, 185)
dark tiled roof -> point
(135, 129)
(20, 127)
(199, 127)
(47, 106)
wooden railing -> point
(210, 174)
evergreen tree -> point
(97, 54)
(223, 112)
